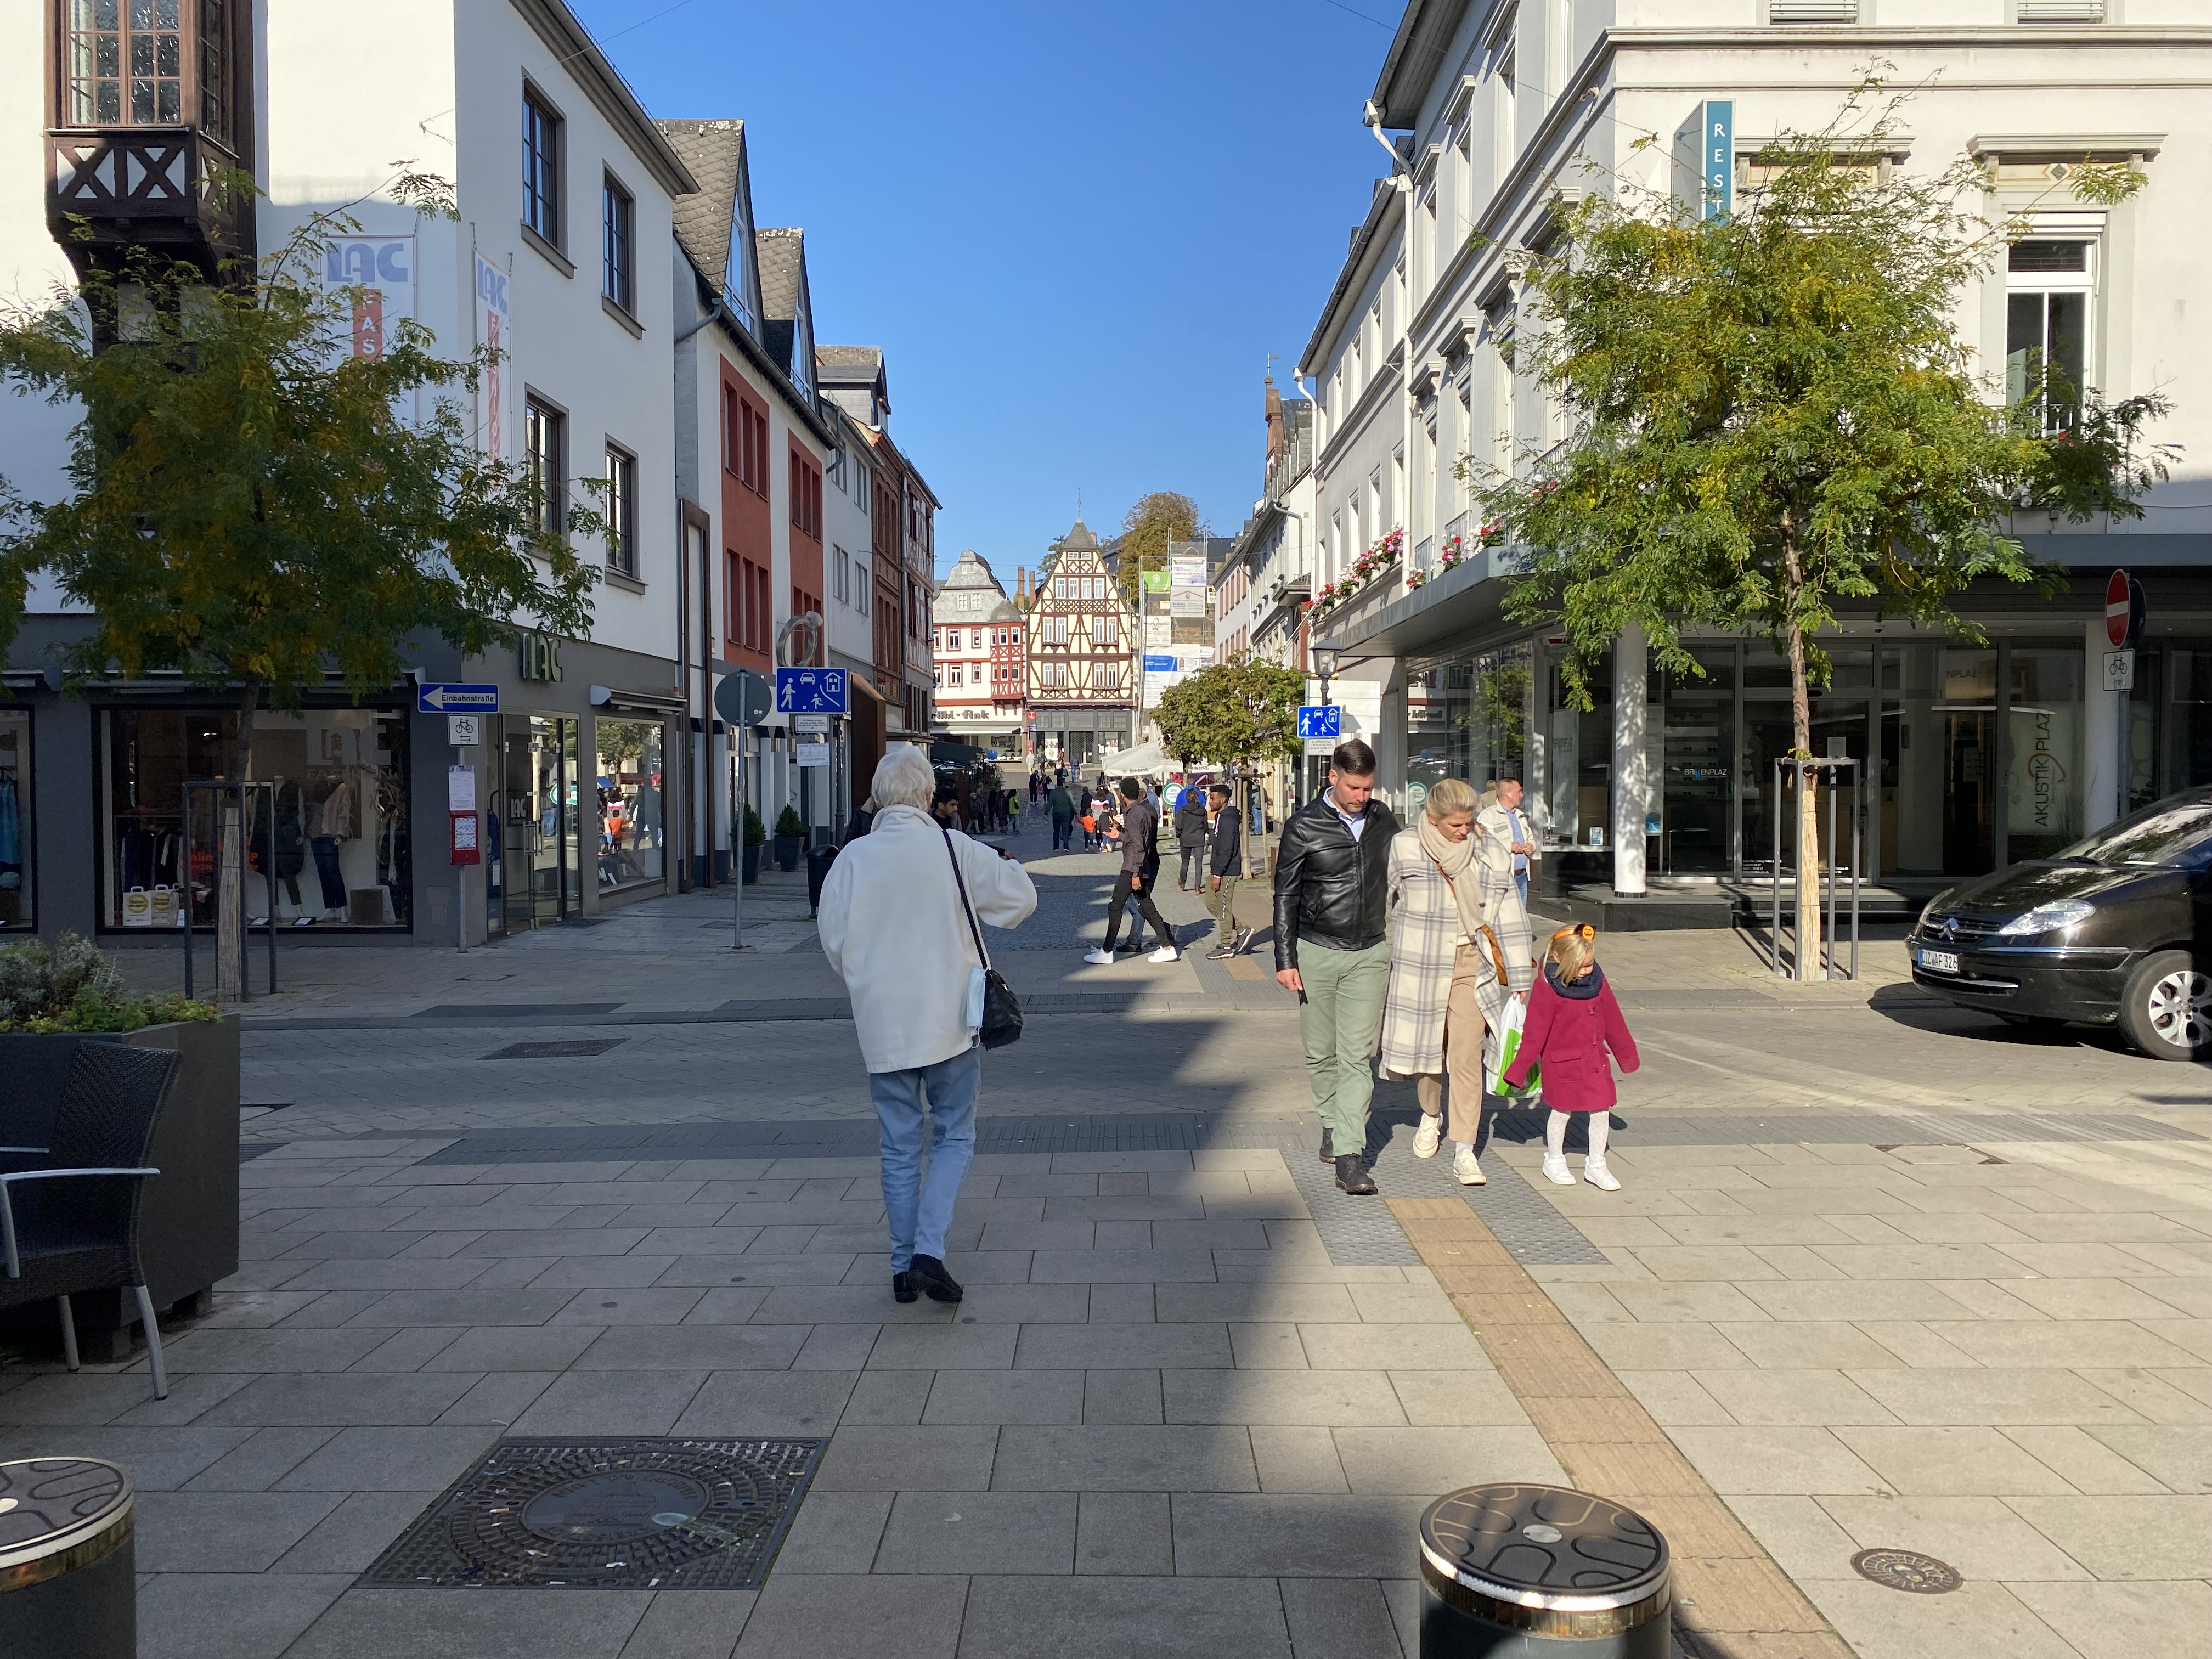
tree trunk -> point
(1807, 787)
(230, 895)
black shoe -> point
(1220, 953)
(1350, 1175)
(1328, 1146)
(938, 1284)
(902, 1287)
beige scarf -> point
(1456, 861)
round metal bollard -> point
(69, 1586)
(1540, 1573)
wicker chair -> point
(69, 1211)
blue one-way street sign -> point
(433, 698)
(1320, 720)
(811, 691)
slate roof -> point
(849, 365)
(715, 151)
(782, 254)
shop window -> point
(338, 846)
(2048, 286)
(15, 889)
(632, 834)
(2043, 760)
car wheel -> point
(2166, 1009)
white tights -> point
(1555, 1133)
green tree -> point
(1772, 413)
(1147, 527)
(250, 505)
(1238, 714)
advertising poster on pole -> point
(380, 269)
(494, 330)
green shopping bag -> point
(1509, 1046)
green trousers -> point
(1339, 1022)
(1223, 904)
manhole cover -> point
(661, 1514)
(1907, 1570)
(581, 1049)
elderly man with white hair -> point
(894, 925)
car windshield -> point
(2175, 833)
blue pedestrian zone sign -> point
(451, 699)
(1320, 720)
(811, 691)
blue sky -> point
(1077, 231)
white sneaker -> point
(1428, 1137)
(1098, 955)
(1165, 953)
(1468, 1172)
(1555, 1171)
(1598, 1175)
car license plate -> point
(1940, 961)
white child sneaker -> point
(1098, 956)
(1428, 1137)
(1555, 1171)
(1468, 1172)
(1165, 953)
(1597, 1175)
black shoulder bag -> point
(1002, 1009)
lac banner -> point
(381, 272)
(495, 412)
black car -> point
(2117, 927)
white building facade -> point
(1971, 758)
(979, 659)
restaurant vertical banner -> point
(381, 272)
(495, 333)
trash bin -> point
(1540, 1573)
(818, 861)
(69, 1582)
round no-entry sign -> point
(2119, 605)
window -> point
(541, 444)
(955, 671)
(16, 886)
(1505, 138)
(2047, 325)
(1106, 676)
(541, 168)
(1109, 631)
(747, 436)
(844, 577)
(752, 622)
(975, 639)
(619, 234)
(621, 511)
(806, 496)
(119, 45)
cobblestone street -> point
(1880, 1276)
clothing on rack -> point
(327, 871)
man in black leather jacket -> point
(1331, 947)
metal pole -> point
(1774, 871)
(737, 887)
(1835, 778)
(1858, 804)
(184, 889)
(271, 872)
(461, 870)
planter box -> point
(788, 850)
(188, 1222)
(751, 868)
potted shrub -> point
(53, 999)
(790, 838)
(753, 835)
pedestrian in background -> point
(1226, 841)
(1573, 1020)
(1191, 819)
(1502, 817)
(894, 924)
(1139, 835)
(1460, 948)
(1062, 806)
(1331, 947)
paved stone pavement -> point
(1195, 1399)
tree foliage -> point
(250, 505)
(1241, 711)
(1147, 527)
(1772, 412)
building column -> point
(2104, 789)
(1629, 783)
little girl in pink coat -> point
(1572, 1021)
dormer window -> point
(733, 274)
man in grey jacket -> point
(1138, 836)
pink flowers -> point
(1368, 565)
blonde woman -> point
(1460, 946)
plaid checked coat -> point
(1424, 931)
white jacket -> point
(892, 926)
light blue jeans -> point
(918, 1206)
